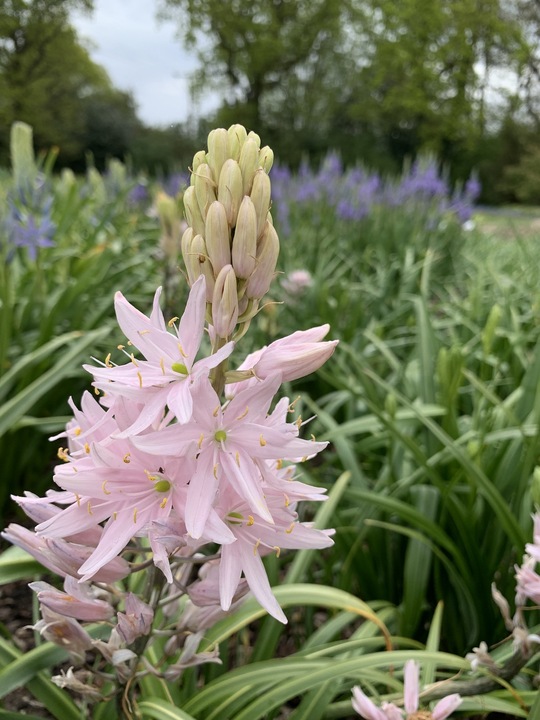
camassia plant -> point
(178, 474)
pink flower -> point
(136, 621)
(388, 711)
(297, 281)
(78, 600)
(230, 445)
(165, 376)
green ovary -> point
(220, 435)
(179, 368)
(162, 486)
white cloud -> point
(144, 56)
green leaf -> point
(162, 710)
(17, 564)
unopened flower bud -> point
(265, 266)
(230, 191)
(237, 137)
(217, 236)
(218, 150)
(198, 159)
(225, 302)
(136, 621)
(205, 188)
(198, 263)
(254, 136)
(260, 195)
(244, 246)
(249, 163)
(193, 212)
(185, 242)
(266, 158)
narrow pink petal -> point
(410, 691)
(255, 574)
(243, 475)
(179, 400)
(445, 707)
(175, 440)
(201, 493)
(190, 330)
(256, 398)
(230, 571)
(262, 441)
(156, 318)
(205, 364)
(365, 707)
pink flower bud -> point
(136, 621)
(225, 302)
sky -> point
(143, 55)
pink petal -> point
(445, 707)
(243, 476)
(156, 318)
(410, 679)
(255, 574)
(179, 400)
(201, 493)
(190, 330)
(230, 571)
(365, 707)
(256, 398)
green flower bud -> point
(254, 136)
(265, 266)
(193, 212)
(225, 302)
(230, 192)
(249, 163)
(488, 334)
(237, 137)
(260, 195)
(198, 159)
(218, 150)
(198, 263)
(217, 236)
(244, 245)
(205, 187)
(266, 158)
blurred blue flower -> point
(30, 232)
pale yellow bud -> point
(237, 137)
(249, 163)
(198, 263)
(225, 302)
(218, 150)
(266, 158)
(265, 267)
(244, 245)
(193, 212)
(198, 159)
(260, 195)
(230, 189)
(205, 188)
(217, 236)
(185, 243)
(254, 136)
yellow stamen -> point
(127, 458)
(143, 332)
(129, 343)
(278, 550)
(62, 454)
(163, 503)
(304, 459)
(237, 458)
(199, 444)
(250, 521)
(290, 529)
(279, 464)
(215, 470)
(262, 441)
(77, 431)
(181, 349)
(140, 379)
(291, 406)
(172, 321)
(89, 508)
(104, 488)
(243, 415)
(312, 437)
(108, 361)
(298, 422)
(256, 547)
(132, 358)
(78, 499)
(216, 410)
(120, 347)
(114, 515)
(87, 448)
(96, 391)
(287, 501)
(162, 365)
(135, 515)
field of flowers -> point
(429, 405)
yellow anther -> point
(78, 499)
(201, 438)
(237, 458)
(278, 550)
(262, 441)
(96, 391)
(140, 379)
(215, 411)
(181, 349)
(162, 365)
(132, 358)
(87, 448)
(104, 488)
(143, 332)
(172, 321)
(75, 469)
(89, 508)
(114, 515)
(291, 406)
(313, 438)
(108, 361)
(120, 347)
(287, 501)
(129, 343)
(243, 415)
(127, 458)
(62, 454)
(256, 547)
(298, 422)
(215, 470)
(250, 521)
(279, 464)
(135, 515)
(290, 529)
(149, 475)
(304, 459)
(77, 431)
(163, 503)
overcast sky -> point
(142, 55)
